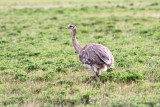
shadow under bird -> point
(94, 56)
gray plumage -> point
(95, 56)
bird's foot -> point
(92, 78)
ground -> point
(39, 66)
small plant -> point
(85, 98)
(21, 76)
(85, 79)
(127, 76)
(61, 69)
(63, 81)
(32, 67)
(1, 82)
(97, 84)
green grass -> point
(39, 67)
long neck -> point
(75, 43)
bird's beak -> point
(63, 28)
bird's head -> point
(72, 27)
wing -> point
(95, 54)
(103, 53)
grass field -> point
(39, 67)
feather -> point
(96, 54)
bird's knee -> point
(98, 74)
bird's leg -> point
(95, 76)
(90, 80)
(96, 73)
(94, 70)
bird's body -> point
(94, 56)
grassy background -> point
(39, 67)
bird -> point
(94, 56)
